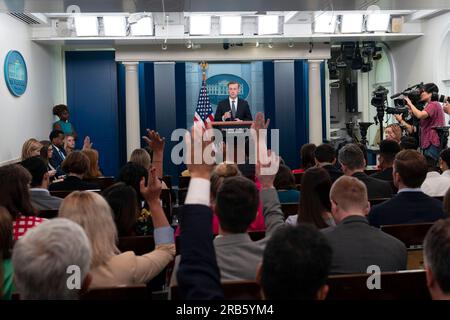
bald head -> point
(348, 197)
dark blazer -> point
(334, 172)
(375, 188)
(72, 183)
(198, 274)
(386, 175)
(356, 245)
(406, 207)
(242, 111)
(56, 159)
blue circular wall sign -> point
(16, 76)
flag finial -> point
(204, 66)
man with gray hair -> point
(353, 163)
(437, 260)
(52, 261)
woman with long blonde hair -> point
(93, 169)
(109, 266)
(31, 148)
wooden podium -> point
(235, 129)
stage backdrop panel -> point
(91, 78)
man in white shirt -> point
(435, 184)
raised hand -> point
(446, 108)
(152, 190)
(154, 141)
(197, 148)
(87, 144)
(266, 172)
(398, 117)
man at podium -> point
(233, 108)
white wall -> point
(29, 115)
(423, 59)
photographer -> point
(431, 116)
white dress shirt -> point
(435, 184)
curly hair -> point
(60, 108)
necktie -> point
(233, 109)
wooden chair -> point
(102, 182)
(298, 178)
(168, 181)
(166, 199)
(182, 196)
(138, 292)
(64, 193)
(412, 235)
(233, 290)
(48, 214)
(289, 209)
(183, 182)
(138, 244)
(409, 285)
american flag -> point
(204, 111)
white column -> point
(315, 102)
(132, 107)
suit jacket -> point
(385, 175)
(42, 200)
(56, 159)
(72, 183)
(375, 188)
(237, 255)
(356, 245)
(406, 207)
(334, 172)
(242, 110)
(198, 275)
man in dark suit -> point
(356, 245)
(388, 151)
(325, 157)
(233, 108)
(57, 140)
(40, 180)
(353, 163)
(410, 205)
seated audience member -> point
(109, 267)
(356, 245)
(446, 204)
(435, 184)
(46, 155)
(43, 257)
(296, 265)
(75, 165)
(388, 151)
(69, 144)
(352, 161)
(236, 204)
(124, 204)
(408, 143)
(410, 205)
(325, 157)
(285, 185)
(31, 148)
(363, 149)
(131, 174)
(315, 205)
(59, 154)
(93, 170)
(40, 180)
(307, 157)
(6, 267)
(437, 260)
(141, 157)
(393, 132)
(15, 197)
(63, 123)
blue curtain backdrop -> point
(91, 78)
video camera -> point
(413, 93)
